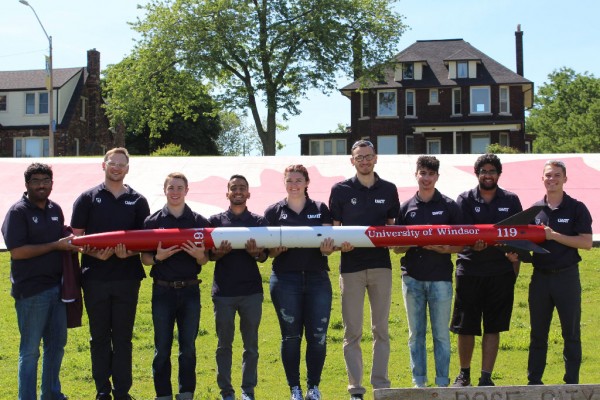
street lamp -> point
(50, 85)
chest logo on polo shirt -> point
(129, 203)
(34, 219)
(503, 209)
(379, 201)
(538, 221)
(98, 200)
(413, 214)
(283, 215)
(477, 209)
(313, 216)
(353, 201)
(55, 219)
(563, 220)
(50, 205)
(437, 213)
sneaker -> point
(229, 396)
(247, 396)
(296, 393)
(486, 382)
(462, 380)
(356, 396)
(313, 394)
(103, 396)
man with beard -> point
(485, 276)
(111, 276)
(365, 199)
(237, 288)
(33, 233)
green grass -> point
(510, 367)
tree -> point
(566, 116)
(237, 138)
(160, 104)
(267, 54)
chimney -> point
(519, 48)
(93, 67)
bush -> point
(499, 149)
(170, 150)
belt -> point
(178, 284)
(552, 271)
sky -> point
(556, 34)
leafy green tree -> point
(266, 55)
(237, 138)
(160, 104)
(566, 116)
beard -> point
(488, 186)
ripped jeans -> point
(302, 301)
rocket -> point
(514, 232)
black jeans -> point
(111, 307)
(547, 291)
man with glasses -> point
(365, 199)
(485, 276)
(33, 233)
(555, 281)
(111, 276)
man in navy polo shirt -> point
(427, 275)
(176, 291)
(555, 280)
(365, 199)
(33, 233)
(111, 276)
(485, 276)
(237, 288)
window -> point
(31, 147)
(30, 103)
(387, 144)
(479, 143)
(43, 103)
(504, 100)
(2, 102)
(434, 146)
(408, 71)
(462, 69)
(434, 96)
(386, 103)
(327, 147)
(410, 104)
(504, 139)
(480, 100)
(410, 145)
(456, 102)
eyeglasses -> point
(39, 182)
(362, 143)
(113, 164)
(368, 157)
(490, 172)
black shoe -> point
(356, 397)
(462, 380)
(126, 397)
(485, 382)
(103, 396)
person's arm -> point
(34, 250)
(581, 241)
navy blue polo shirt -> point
(97, 210)
(236, 273)
(26, 224)
(492, 260)
(571, 218)
(180, 266)
(419, 263)
(352, 203)
(314, 213)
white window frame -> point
(457, 95)
(338, 147)
(20, 145)
(434, 97)
(464, 69)
(409, 143)
(480, 136)
(473, 106)
(37, 103)
(410, 93)
(504, 103)
(392, 111)
(408, 71)
(434, 141)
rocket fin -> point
(522, 248)
(523, 218)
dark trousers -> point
(547, 291)
(250, 310)
(111, 307)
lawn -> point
(510, 367)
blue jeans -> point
(438, 295)
(41, 317)
(170, 305)
(250, 310)
(302, 301)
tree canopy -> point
(566, 115)
(266, 54)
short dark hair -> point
(238, 176)
(301, 169)
(362, 143)
(38, 168)
(175, 175)
(428, 162)
(488, 158)
(557, 163)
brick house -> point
(81, 126)
(441, 97)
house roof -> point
(435, 55)
(36, 79)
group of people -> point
(300, 287)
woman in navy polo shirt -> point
(300, 286)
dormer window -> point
(408, 71)
(462, 69)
